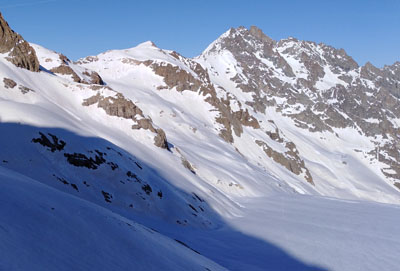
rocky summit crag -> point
(18, 51)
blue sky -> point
(367, 30)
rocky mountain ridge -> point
(321, 88)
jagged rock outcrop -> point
(92, 77)
(176, 77)
(119, 106)
(67, 70)
(290, 159)
(87, 77)
(259, 34)
(20, 53)
(9, 83)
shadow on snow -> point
(223, 244)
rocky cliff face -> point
(119, 106)
(66, 68)
(321, 88)
(18, 51)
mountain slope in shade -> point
(210, 154)
(43, 228)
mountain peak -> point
(236, 36)
(258, 33)
(20, 53)
(370, 66)
(148, 43)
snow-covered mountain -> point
(256, 155)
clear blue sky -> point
(367, 30)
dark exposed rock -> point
(113, 166)
(138, 165)
(309, 117)
(94, 78)
(81, 160)
(88, 59)
(259, 34)
(66, 70)
(64, 59)
(74, 186)
(338, 59)
(9, 83)
(194, 209)
(88, 77)
(188, 165)
(290, 159)
(107, 196)
(62, 180)
(175, 77)
(25, 90)
(133, 176)
(54, 145)
(20, 53)
(160, 140)
(147, 189)
(130, 174)
(119, 106)
(197, 197)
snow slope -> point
(44, 229)
(326, 233)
